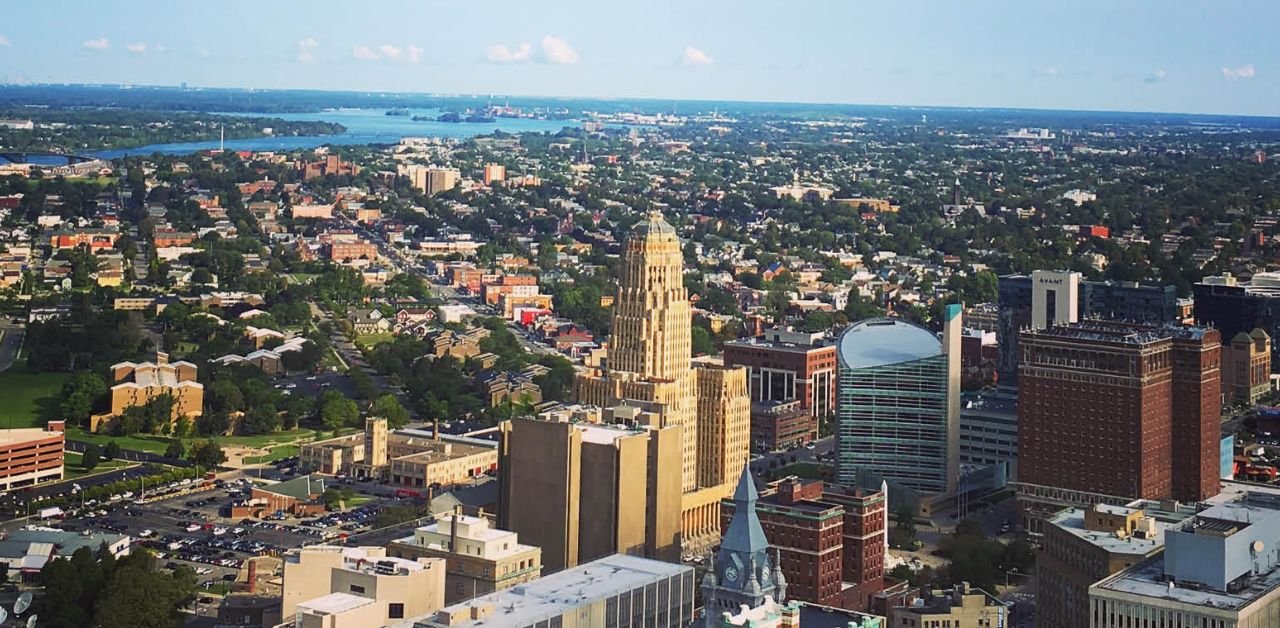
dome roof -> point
(653, 224)
(885, 341)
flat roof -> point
(22, 435)
(335, 603)
(884, 341)
(1072, 521)
(553, 595)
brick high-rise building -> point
(830, 540)
(1110, 412)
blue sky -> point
(1147, 55)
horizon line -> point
(123, 85)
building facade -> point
(1110, 412)
(961, 606)
(1246, 367)
(778, 425)
(401, 588)
(136, 384)
(583, 491)
(744, 572)
(1219, 569)
(898, 413)
(787, 365)
(1233, 307)
(1047, 297)
(30, 456)
(830, 541)
(650, 363)
(479, 559)
(616, 590)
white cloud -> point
(558, 51)
(500, 53)
(136, 47)
(305, 48)
(415, 54)
(1243, 72)
(4, 41)
(1155, 77)
(696, 56)
(389, 51)
(100, 43)
(364, 53)
(1049, 71)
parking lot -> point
(192, 529)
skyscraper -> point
(898, 413)
(650, 362)
(1109, 412)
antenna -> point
(222, 137)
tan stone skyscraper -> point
(650, 361)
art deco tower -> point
(651, 316)
(650, 362)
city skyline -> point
(989, 54)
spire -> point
(745, 535)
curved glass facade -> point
(892, 417)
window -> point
(395, 610)
(357, 589)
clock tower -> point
(744, 573)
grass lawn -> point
(72, 470)
(302, 277)
(137, 442)
(30, 399)
(277, 453)
(369, 341)
(157, 444)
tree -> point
(702, 341)
(207, 454)
(262, 419)
(175, 449)
(89, 459)
(337, 411)
(817, 321)
(80, 394)
(389, 408)
(112, 451)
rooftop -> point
(1117, 332)
(1071, 520)
(886, 341)
(335, 603)
(551, 596)
(297, 488)
(1147, 579)
(24, 435)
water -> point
(364, 126)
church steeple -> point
(744, 572)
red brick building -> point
(786, 365)
(340, 251)
(516, 285)
(830, 540)
(331, 164)
(777, 425)
(1115, 411)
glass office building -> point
(892, 414)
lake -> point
(364, 126)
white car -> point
(145, 533)
(237, 531)
(219, 531)
(193, 527)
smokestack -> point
(436, 434)
(253, 575)
(453, 530)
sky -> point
(1193, 56)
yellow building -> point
(479, 559)
(138, 383)
(401, 588)
(583, 491)
(410, 459)
(1246, 367)
(649, 361)
(961, 606)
